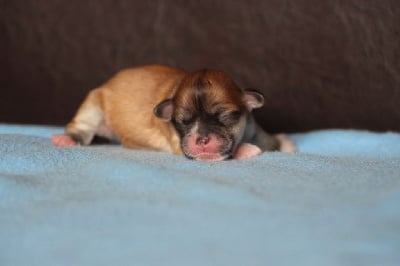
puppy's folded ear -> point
(164, 110)
(253, 99)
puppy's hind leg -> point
(285, 143)
(85, 124)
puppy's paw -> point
(246, 151)
(285, 143)
(63, 141)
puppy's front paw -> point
(246, 151)
(62, 141)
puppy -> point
(202, 114)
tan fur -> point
(126, 104)
(123, 109)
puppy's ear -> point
(164, 110)
(253, 99)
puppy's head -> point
(210, 114)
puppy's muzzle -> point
(210, 147)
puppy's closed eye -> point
(187, 121)
(235, 115)
(228, 118)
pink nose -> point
(202, 141)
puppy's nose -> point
(202, 140)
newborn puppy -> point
(202, 114)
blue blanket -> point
(336, 202)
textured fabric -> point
(336, 202)
(320, 64)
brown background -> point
(320, 64)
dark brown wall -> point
(320, 64)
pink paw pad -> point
(62, 141)
(246, 151)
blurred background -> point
(320, 64)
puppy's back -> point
(128, 100)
